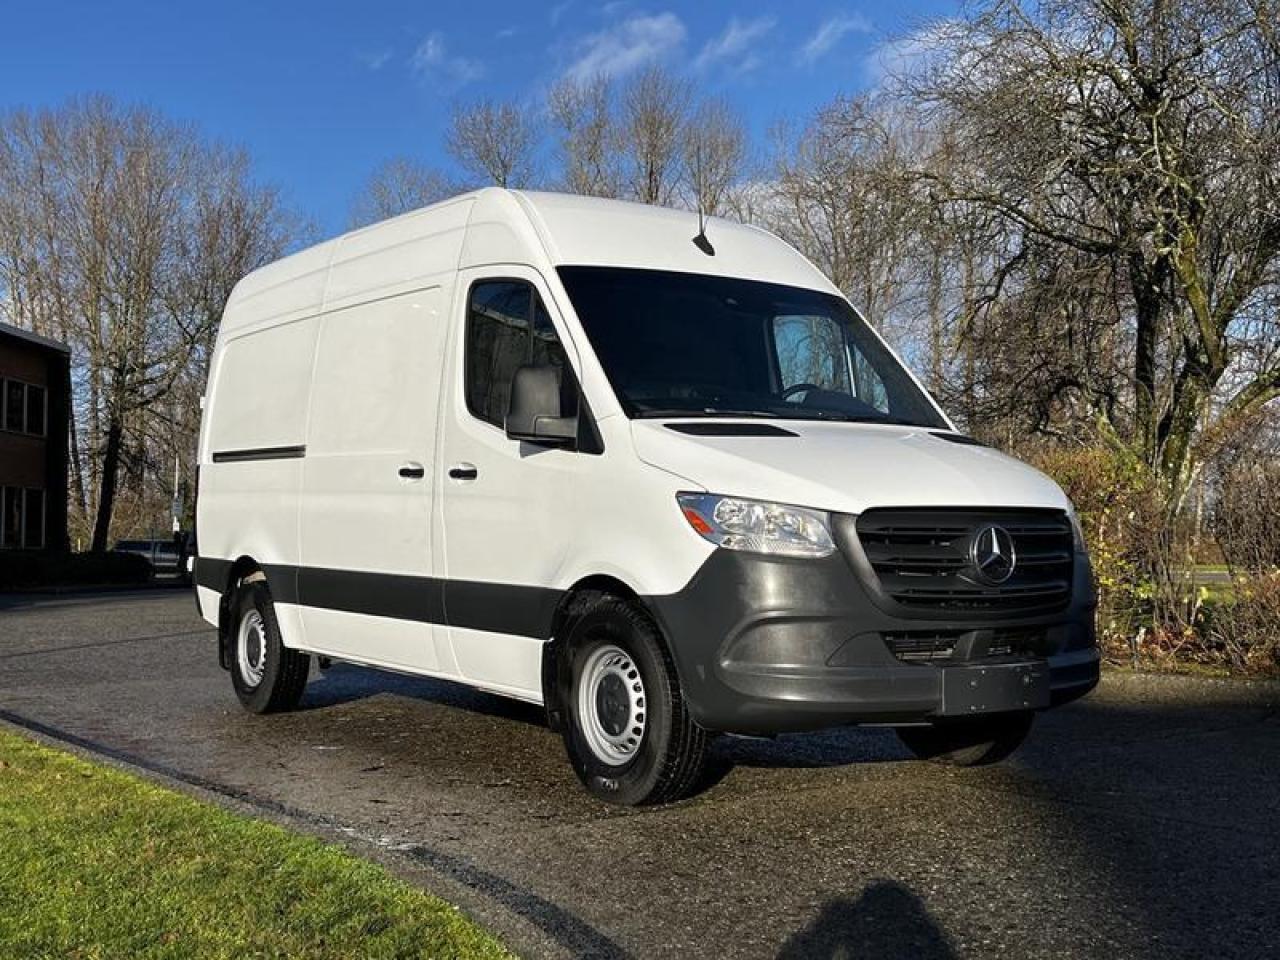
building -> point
(35, 397)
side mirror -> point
(534, 411)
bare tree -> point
(713, 151)
(843, 194)
(589, 140)
(654, 106)
(1140, 140)
(496, 142)
(123, 234)
(398, 186)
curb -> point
(527, 924)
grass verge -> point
(95, 863)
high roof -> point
(496, 226)
(592, 231)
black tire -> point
(968, 742)
(670, 754)
(283, 671)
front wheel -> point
(268, 676)
(968, 742)
(628, 733)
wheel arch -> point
(553, 680)
(244, 569)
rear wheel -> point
(268, 677)
(628, 733)
(968, 742)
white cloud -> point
(736, 45)
(909, 52)
(559, 10)
(375, 61)
(623, 47)
(432, 61)
(506, 33)
(831, 32)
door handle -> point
(412, 471)
(463, 471)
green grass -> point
(95, 863)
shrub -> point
(1246, 523)
(1244, 627)
(1121, 520)
(1246, 517)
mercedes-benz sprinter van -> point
(663, 480)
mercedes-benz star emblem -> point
(992, 555)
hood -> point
(844, 467)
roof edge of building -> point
(8, 329)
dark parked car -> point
(167, 558)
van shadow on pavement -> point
(887, 922)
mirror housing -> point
(534, 410)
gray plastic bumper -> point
(767, 645)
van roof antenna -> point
(701, 241)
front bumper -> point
(767, 645)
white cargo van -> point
(666, 483)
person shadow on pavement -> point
(887, 922)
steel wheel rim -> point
(611, 704)
(251, 648)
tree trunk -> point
(107, 494)
(76, 464)
(1146, 293)
(936, 360)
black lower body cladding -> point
(768, 645)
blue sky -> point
(321, 92)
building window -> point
(24, 406)
(507, 327)
(11, 526)
(35, 410)
(22, 518)
(33, 520)
(15, 406)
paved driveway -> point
(1139, 823)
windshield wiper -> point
(785, 412)
(702, 412)
(837, 417)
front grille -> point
(921, 559)
(922, 647)
(925, 646)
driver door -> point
(506, 506)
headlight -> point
(757, 526)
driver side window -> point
(508, 327)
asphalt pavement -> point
(1141, 822)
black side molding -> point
(260, 453)
(476, 605)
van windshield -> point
(690, 345)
